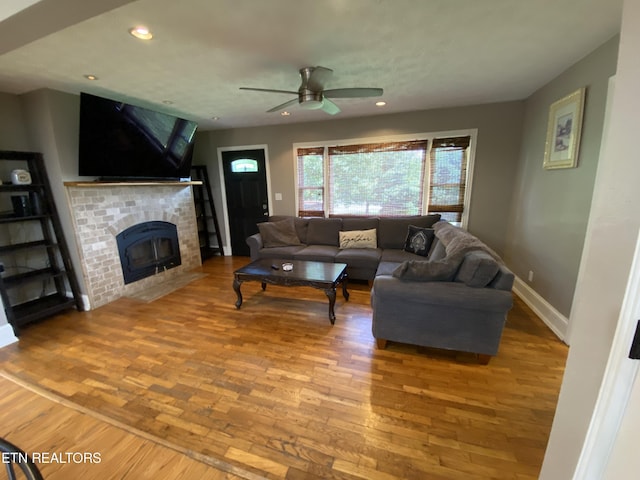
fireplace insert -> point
(147, 249)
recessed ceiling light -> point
(215, 119)
(380, 104)
(141, 32)
(91, 77)
(285, 114)
(167, 102)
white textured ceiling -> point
(423, 53)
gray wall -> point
(46, 121)
(13, 133)
(548, 220)
(52, 120)
(499, 133)
(612, 234)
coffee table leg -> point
(236, 288)
(345, 294)
(331, 294)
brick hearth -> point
(102, 211)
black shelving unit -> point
(208, 228)
(37, 278)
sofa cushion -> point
(359, 257)
(280, 252)
(358, 239)
(392, 231)
(419, 240)
(425, 271)
(398, 255)
(478, 269)
(386, 268)
(324, 231)
(359, 223)
(438, 251)
(317, 253)
(278, 234)
(300, 223)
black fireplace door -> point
(147, 249)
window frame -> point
(430, 136)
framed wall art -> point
(563, 131)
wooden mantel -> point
(131, 184)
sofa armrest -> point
(388, 290)
(255, 244)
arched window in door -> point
(244, 165)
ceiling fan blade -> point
(284, 105)
(329, 107)
(317, 79)
(353, 92)
(270, 90)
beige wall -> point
(548, 220)
(498, 146)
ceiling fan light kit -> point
(312, 96)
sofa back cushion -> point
(359, 223)
(301, 225)
(478, 269)
(324, 231)
(278, 234)
(392, 231)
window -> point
(410, 177)
(311, 182)
(448, 177)
(243, 165)
(377, 179)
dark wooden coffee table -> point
(321, 275)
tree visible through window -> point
(311, 182)
(447, 184)
(380, 179)
(383, 179)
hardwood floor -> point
(70, 443)
(275, 390)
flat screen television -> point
(119, 141)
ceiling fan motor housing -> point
(310, 100)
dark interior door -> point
(245, 183)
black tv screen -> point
(123, 141)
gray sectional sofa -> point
(318, 239)
(457, 300)
(434, 284)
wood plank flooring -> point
(275, 390)
(70, 443)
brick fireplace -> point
(102, 211)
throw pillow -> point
(358, 239)
(419, 240)
(278, 234)
(424, 271)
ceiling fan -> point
(312, 96)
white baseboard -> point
(557, 322)
(7, 337)
(86, 305)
